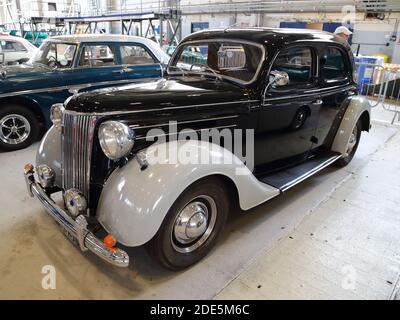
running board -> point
(286, 179)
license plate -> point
(70, 236)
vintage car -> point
(288, 96)
(62, 66)
(14, 50)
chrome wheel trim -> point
(14, 129)
(193, 224)
(300, 119)
(352, 141)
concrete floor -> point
(347, 248)
(251, 252)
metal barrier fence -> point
(381, 86)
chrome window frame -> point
(58, 41)
(137, 44)
(81, 47)
(256, 74)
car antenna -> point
(232, 25)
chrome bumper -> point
(75, 229)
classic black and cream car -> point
(250, 115)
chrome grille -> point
(77, 143)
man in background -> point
(343, 33)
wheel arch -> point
(26, 102)
(359, 108)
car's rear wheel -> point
(19, 127)
(192, 225)
(352, 146)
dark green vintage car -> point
(65, 65)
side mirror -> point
(278, 78)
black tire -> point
(22, 117)
(299, 119)
(344, 161)
(165, 245)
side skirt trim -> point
(310, 173)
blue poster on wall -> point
(197, 26)
(293, 25)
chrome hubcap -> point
(194, 224)
(14, 129)
(352, 142)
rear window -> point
(333, 64)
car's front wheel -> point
(19, 127)
(192, 225)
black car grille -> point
(77, 145)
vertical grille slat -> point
(77, 142)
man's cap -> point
(344, 30)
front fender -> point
(49, 153)
(357, 107)
(134, 202)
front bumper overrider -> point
(76, 229)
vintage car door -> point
(138, 61)
(96, 66)
(289, 113)
(336, 85)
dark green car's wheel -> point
(192, 225)
(19, 127)
(351, 146)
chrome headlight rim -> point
(116, 139)
(56, 113)
(45, 175)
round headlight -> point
(46, 175)
(56, 112)
(116, 139)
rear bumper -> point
(76, 229)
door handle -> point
(317, 102)
(123, 70)
(126, 70)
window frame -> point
(13, 42)
(346, 60)
(82, 45)
(74, 58)
(257, 73)
(314, 69)
(136, 44)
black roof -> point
(266, 36)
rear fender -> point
(358, 108)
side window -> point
(97, 56)
(19, 46)
(196, 55)
(132, 54)
(12, 46)
(297, 63)
(332, 63)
